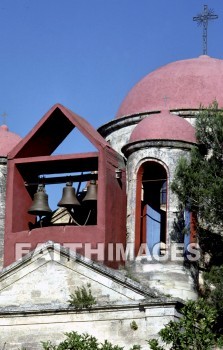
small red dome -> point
(8, 140)
(179, 85)
(163, 126)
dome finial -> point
(4, 116)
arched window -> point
(151, 205)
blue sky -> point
(87, 54)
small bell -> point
(92, 192)
(69, 198)
(40, 204)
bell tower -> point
(87, 220)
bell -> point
(92, 192)
(69, 198)
(40, 204)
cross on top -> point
(203, 18)
(4, 116)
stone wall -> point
(35, 293)
(28, 328)
(168, 275)
(120, 137)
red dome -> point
(7, 140)
(163, 126)
(179, 85)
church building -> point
(117, 227)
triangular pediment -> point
(51, 273)
(50, 132)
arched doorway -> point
(151, 207)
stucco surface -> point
(164, 126)
(8, 140)
(184, 84)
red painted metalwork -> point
(32, 157)
(193, 228)
(138, 211)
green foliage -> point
(195, 330)
(75, 341)
(82, 298)
(133, 325)
(209, 130)
(198, 181)
(154, 345)
(213, 288)
(212, 244)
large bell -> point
(69, 198)
(92, 192)
(40, 204)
